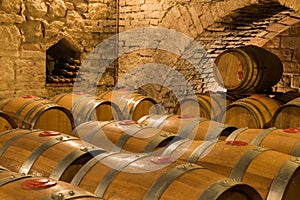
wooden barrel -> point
(43, 153)
(123, 135)
(188, 126)
(287, 115)
(247, 69)
(283, 140)
(207, 105)
(133, 105)
(30, 112)
(14, 186)
(85, 107)
(255, 111)
(140, 176)
(273, 174)
(6, 122)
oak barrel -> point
(43, 153)
(287, 115)
(132, 104)
(124, 135)
(205, 105)
(255, 111)
(140, 176)
(249, 69)
(30, 112)
(85, 107)
(188, 126)
(15, 186)
(6, 122)
(282, 140)
(273, 174)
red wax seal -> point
(236, 143)
(291, 130)
(38, 183)
(185, 116)
(255, 96)
(127, 122)
(80, 93)
(240, 74)
(28, 96)
(49, 133)
(162, 159)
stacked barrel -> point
(105, 158)
(118, 145)
(52, 165)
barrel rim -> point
(54, 106)
(9, 119)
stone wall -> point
(29, 27)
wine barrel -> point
(255, 111)
(133, 105)
(287, 115)
(188, 126)
(6, 122)
(282, 140)
(207, 105)
(15, 186)
(273, 174)
(140, 176)
(249, 69)
(85, 107)
(30, 112)
(43, 153)
(124, 135)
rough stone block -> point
(10, 37)
(58, 8)
(32, 31)
(283, 54)
(11, 6)
(291, 67)
(277, 27)
(296, 81)
(290, 42)
(36, 8)
(274, 43)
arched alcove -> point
(63, 62)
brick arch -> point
(278, 31)
(52, 40)
(194, 17)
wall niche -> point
(62, 64)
